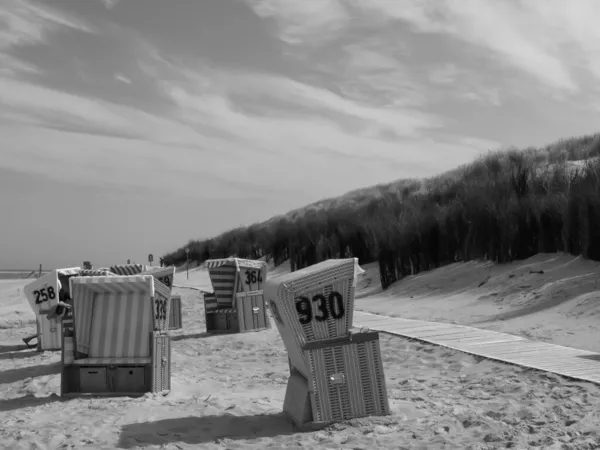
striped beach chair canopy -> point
(236, 262)
(96, 273)
(222, 273)
(113, 315)
(128, 269)
(115, 284)
(68, 272)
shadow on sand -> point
(12, 348)
(22, 373)
(28, 401)
(182, 337)
(201, 430)
(595, 357)
(18, 353)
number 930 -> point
(332, 306)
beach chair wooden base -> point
(250, 314)
(345, 381)
(114, 377)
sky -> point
(129, 127)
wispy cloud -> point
(303, 22)
(23, 23)
(110, 3)
(267, 104)
(122, 78)
(547, 39)
(364, 98)
(208, 129)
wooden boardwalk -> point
(566, 361)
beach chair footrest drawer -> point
(222, 322)
(112, 379)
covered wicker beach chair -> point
(44, 295)
(335, 374)
(165, 275)
(118, 343)
(237, 304)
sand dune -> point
(228, 390)
(550, 297)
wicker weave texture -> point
(161, 362)
(284, 294)
(252, 313)
(347, 381)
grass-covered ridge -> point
(504, 206)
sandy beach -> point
(228, 390)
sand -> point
(553, 298)
(228, 390)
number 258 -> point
(42, 295)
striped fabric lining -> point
(84, 292)
(161, 289)
(121, 326)
(82, 315)
(210, 302)
(223, 279)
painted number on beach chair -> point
(161, 309)
(253, 276)
(44, 294)
(333, 306)
(165, 280)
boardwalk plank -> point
(566, 361)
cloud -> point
(24, 22)
(445, 74)
(237, 129)
(122, 78)
(11, 66)
(110, 4)
(546, 39)
(304, 22)
(376, 65)
(207, 133)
